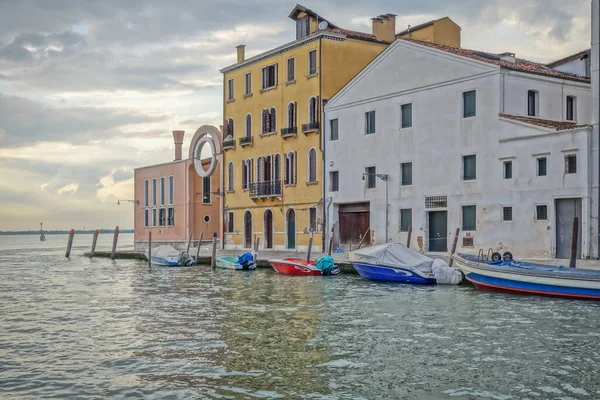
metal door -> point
(248, 230)
(566, 210)
(291, 229)
(438, 231)
(268, 229)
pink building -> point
(173, 201)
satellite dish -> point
(323, 25)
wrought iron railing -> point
(229, 144)
(291, 131)
(246, 141)
(265, 189)
(311, 126)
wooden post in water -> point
(256, 243)
(213, 259)
(409, 236)
(113, 253)
(198, 249)
(189, 243)
(310, 242)
(331, 243)
(70, 243)
(149, 249)
(454, 244)
(94, 241)
(574, 239)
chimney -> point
(178, 139)
(241, 52)
(384, 27)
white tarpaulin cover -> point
(166, 251)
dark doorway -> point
(566, 210)
(291, 229)
(248, 230)
(268, 229)
(438, 231)
(355, 221)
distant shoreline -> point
(101, 231)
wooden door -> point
(291, 229)
(248, 230)
(268, 229)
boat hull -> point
(506, 279)
(165, 262)
(295, 266)
(231, 263)
(391, 274)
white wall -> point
(576, 67)
(433, 82)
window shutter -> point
(318, 109)
(295, 167)
(276, 74)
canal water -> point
(92, 329)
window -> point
(469, 218)
(291, 69)
(333, 127)
(162, 191)
(571, 103)
(206, 190)
(370, 122)
(162, 212)
(302, 28)
(541, 166)
(312, 62)
(277, 169)
(154, 202)
(171, 190)
(269, 76)
(230, 177)
(312, 165)
(406, 174)
(290, 168)
(291, 117)
(273, 120)
(532, 103)
(469, 104)
(162, 216)
(146, 193)
(146, 216)
(154, 217)
(230, 221)
(246, 173)
(248, 127)
(230, 128)
(248, 84)
(507, 169)
(371, 178)
(571, 164)
(230, 89)
(469, 168)
(405, 219)
(507, 214)
(313, 112)
(334, 181)
(541, 213)
(406, 115)
(312, 219)
(171, 217)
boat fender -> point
(496, 256)
(507, 256)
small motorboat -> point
(527, 278)
(395, 262)
(231, 262)
(168, 256)
(297, 266)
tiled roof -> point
(567, 59)
(355, 34)
(545, 123)
(519, 64)
(416, 27)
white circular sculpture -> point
(198, 156)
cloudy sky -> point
(91, 89)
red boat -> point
(295, 266)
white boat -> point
(168, 256)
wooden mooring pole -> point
(189, 244)
(310, 242)
(256, 243)
(113, 253)
(94, 241)
(70, 243)
(213, 259)
(149, 249)
(574, 239)
(330, 243)
(198, 249)
(409, 236)
(454, 244)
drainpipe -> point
(322, 141)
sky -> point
(90, 90)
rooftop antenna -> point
(42, 236)
(409, 33)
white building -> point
(495, 145)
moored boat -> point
(168, 256)
(529, 278)
(231, 262)
(297, 266)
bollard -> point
(70, 243)
(149, 249)
(256, 244)
(189, 243)
(198, 249)
(574, 239)
(310, 242)
(113, 253)
(94, 241)
(409, 236)
(454, 244)
(213, 259)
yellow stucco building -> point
(273, 136)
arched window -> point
(313, 113)
(277, 168)
(248, 132)
(291, 115)
(260, 168)
(290, 168)
(230, 176)
(230, 129)
(273, 120)
(266, 120)
(312, 165)
(246, 174)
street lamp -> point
(130, 201)
(385, 178)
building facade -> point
(489, 143)
(173, 201)
(273, 172)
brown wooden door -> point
(248, 230)
(353, 226)
(268, 229)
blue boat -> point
(168, 256)
(529, 278)
(395, 262)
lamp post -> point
(385, 178)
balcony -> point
(265, 189)
(228, 144)
(246, 141)
(310, 127)
(289, 132)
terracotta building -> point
(173, 201)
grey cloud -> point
(30, 46)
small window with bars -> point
(507, 214)
(436, 202)
(571, 164)
(541, 213)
